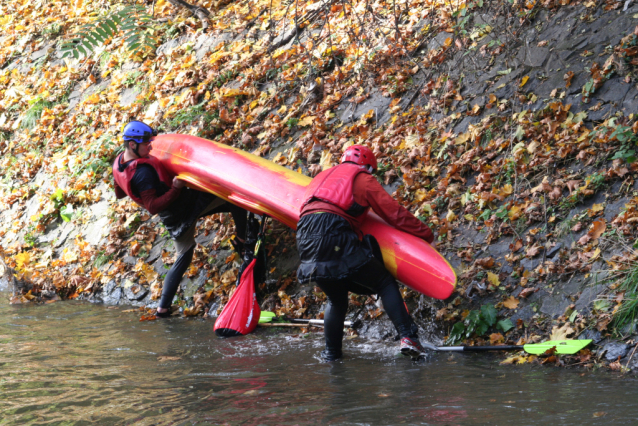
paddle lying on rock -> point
(267, 317)
(563, 347)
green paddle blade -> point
(266, 316)
(563, 347)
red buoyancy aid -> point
(123, 179)
(334, 186)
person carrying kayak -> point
(333, 255)
(140, 176)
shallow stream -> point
(77, 363)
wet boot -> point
(330, 355)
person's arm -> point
(155, 204)
(389, 209)
(145, 182)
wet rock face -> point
(615, 350)
(113, 297)
(135, 292)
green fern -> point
(132, 20)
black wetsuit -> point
(342, 263)
(180, 215)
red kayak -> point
(261, 186)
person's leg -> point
(184, 249)
(376, 277)
(334, 317)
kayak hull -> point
(263, 187)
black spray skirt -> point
(329, 249)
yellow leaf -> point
(427, 208)
(189, 61)
(22, 259)
(514, 212)
(217, 56)
(192, 312)
(93, 99)
(69, 256)
(292, 154)
(523, 81)
(306, 121)
(230, 93)
(595, 255)
(451, 217)
(516, 360)
(326, 160)
(420, 194)
(506, 190)
(511, 303)
(561, 333)
(493, 279)
(448, 42)
(280, 159)
(462, 138)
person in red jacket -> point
(333, 255)
(142, 177)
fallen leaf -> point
(516, 360)
(493, 279)
(516, 246)
(511, 302)
(597, 228)
(534, 250)
(496, 338)
(561, 333)
(524, 81)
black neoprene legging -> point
(375, 278)
(174, 275)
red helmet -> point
(360, 154)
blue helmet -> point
(138, 132)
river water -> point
(77, 363)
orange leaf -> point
(511, 303)
(496, 338)
(597, 228)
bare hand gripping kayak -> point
(263, 187)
